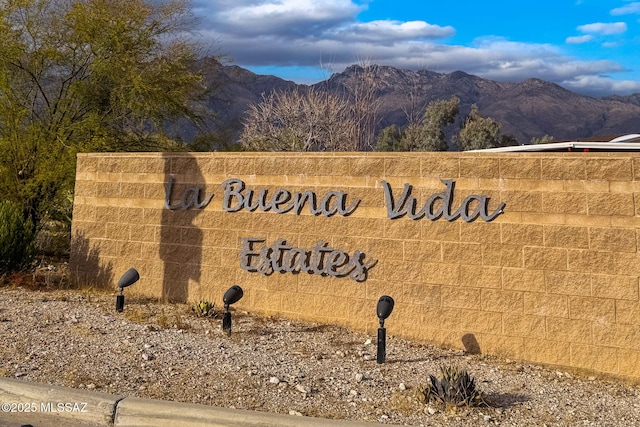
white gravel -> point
(152, 350)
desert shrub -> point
(53, 239)
(16, 238)
(204, 308)
(454, 388)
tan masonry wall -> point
(554, 279)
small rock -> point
(353, 392)
(402, 387)
(302, 389)
(431, 410)
(359, 377)
(296, 413)
(274, 380)
(340, 353)
(148, 356)
(91, 386)
(367, 342)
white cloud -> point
(385, 31)
(597, 85)
(504, 60)
(579, 39)
(629, 9)
(604, 28)
(252, 17)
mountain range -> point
(529, 109)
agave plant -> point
(204, 308)
(454, 388)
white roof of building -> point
(629, 142)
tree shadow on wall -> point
(86, 269)
(181, 238)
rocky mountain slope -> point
(532, 108)
(528, 109)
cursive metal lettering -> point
(321, 259)
(439, 205)
(191, 197)
(237, 197)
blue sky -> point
(588, 46)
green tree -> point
(16, 238)
(86, 75)
(437, 115)
(427, 135)
(544, 140)
(479, 132)
(389, 139)
(508, 141)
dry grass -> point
(175, 321)
(158, 314)
(405, 402)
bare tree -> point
(299, 120)
(362, 91)
(415, 103)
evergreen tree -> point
(478, 132)
(86, 75)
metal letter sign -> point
(237, 198)
(280, 257)
(257, 256)
(191, 197)
(432, 210)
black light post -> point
(384, 309)
(232, 296)
(130, 277)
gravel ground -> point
(152, 350)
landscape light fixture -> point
(130, 277)
(232, 296)
(384, 309)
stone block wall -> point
(552, 279)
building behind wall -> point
(550, 277)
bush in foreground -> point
(16, 239)
(454, 388)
